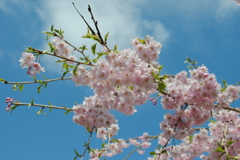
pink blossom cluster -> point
(109, 150)
(63, 49)
(27, 61)
(192, 99)
(221, 133)
(195, 100)
(90, 117)
(123, 79)
(114, 148)
(104, 133)
(226, 98)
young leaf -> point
(142, 41)
(94, 48)
(161, 86)
(115, 47)
(52, 28)
(13, 107)
(212, 121)
(39, 88)
(64, 74)
(75, 70)
(35, 79)
(75, 151)
(2, 80)
(20, 87)
(152, 153)
(219, 149)
(44, 77)
(39, 112)
(105, 38)
(68, 111)
(103, 145)
(65, 66)
(45, 84)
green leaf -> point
(164, 151)
(212, 121)
(229, 143)
(52, 28)
(45, 84)
(20, 87)
(142, 41)
(94, 48)
(103, 145)
(94, 60)
(55, 30)
(39, 88)
(190, 138)
(152, 153)
(52, 49)
(161, 86)
(32, 101)
(60, 61)
(105, 38)
(236, 158)
(2, 80)
(75, 151)
(224, 85)
(115, 47)
(83, 48)
(44, 77)
(64, 74)
(13, 107)
(160, 68)
(39, 112)
(65, 66)
(219, 149)
(114, 140)
(68, 111)
(75, 71)
(99, 155)
(45, 51)
(75, 158)
(35, 79)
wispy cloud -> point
(9, 6)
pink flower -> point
(27, 60)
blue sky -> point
(206, 30)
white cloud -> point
(8, 6)
(226, 8)
(121, 18)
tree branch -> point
(29, 82)
(41, 105)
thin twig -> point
(95, 23)
(55, 34)
(41, 105)
(232, 109)
(41, 52)
(88, 143)
(84, 20)
(49, 80)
